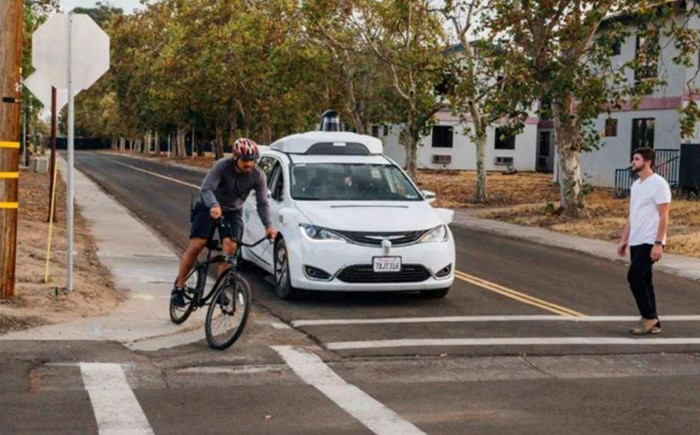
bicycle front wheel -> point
(228, 313)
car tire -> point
(435, 294)
(283, 282)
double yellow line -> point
(516, 295)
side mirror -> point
(429, 196)
(446, 215)
(288, 215)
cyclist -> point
(222, 195)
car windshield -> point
(351, 182)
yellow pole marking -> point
(9, 205)
(174, 180)
(8, 175)
(53, 207)
(11, 145)
(518, 296)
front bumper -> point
(348, 263)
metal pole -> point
(71, 119)
(24, 137)
(52, 216)
(170, 153)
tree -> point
(560, 53)
(408, 36)
(478, 85)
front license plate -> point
(387, 264)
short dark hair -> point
(648, 154)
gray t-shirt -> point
(226, 187)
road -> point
(530, 339)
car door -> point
(254, 228)
(276, 196)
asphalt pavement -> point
(530, 339)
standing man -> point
(224, 191)
(645, 234)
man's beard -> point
(636, 169)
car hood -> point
(391, 216)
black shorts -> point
(203, 224)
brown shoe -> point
(647, 326)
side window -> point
(267, 164)
(277, 183)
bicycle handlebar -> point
(221, 223)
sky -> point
(127, 5)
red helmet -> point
(245, 149)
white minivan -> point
(349, 219)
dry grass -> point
(36, 302)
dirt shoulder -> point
(531, 199)
(36, 302)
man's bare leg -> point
(228, 247)
(188, 259)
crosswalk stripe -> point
(511, 341)
(367, 410)
(116, 408)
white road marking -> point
(116, 408)
(174, 180)
(519, 341)
(468, 319)
(371, 413)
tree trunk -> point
(156, 143)
(180, 150)
(266, 127)
(147, 143)
(569, 149)
(233, 128)
(219, 143)
(409, 138)
(481, 196)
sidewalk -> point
(142, 265)
(678, 265)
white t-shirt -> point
(644, 215)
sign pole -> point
(71, 119)
(54, 109)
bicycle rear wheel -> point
(180, 314)
(228, 313)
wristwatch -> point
(659, 243)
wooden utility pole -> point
(11, 17)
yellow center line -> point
(9, 175)
(11, 145)
(516, 295)
(174, 180)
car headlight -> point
(437, 234)
(318, 233)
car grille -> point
(365, 274)
(375, 239)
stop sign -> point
(90, 51)
(41, 89)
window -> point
(277, 184)
(646, 53)
(610, 127)
(267, 164)
(442, 136)
(642, 133)
(616, 48)
(375, 130)
(351, 182)
(504, 140)
(386, 130)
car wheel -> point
(283, 281)
(435, 294)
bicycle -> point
(229, 298)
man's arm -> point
(209, 184)
(663, 209)
(624, 240)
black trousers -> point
(640, 278)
